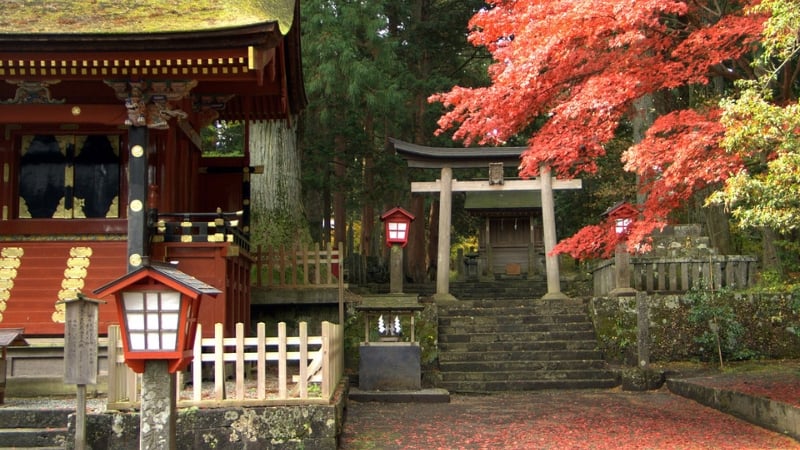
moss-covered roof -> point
(139, 16)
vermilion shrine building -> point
(103, 103)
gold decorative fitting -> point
(135, 260)
(136, 205)
(80, 252)
(12, 252)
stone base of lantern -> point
(389, 366)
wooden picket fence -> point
(306, 363)
(299, 266)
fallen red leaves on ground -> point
(554, 420)
(775, 380)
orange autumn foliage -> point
(578, 66)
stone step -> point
(486, 318)
(520, 355)
(11, 417)
(492, 341)
(527, 375)
(569, 330)
(477, 333)
(543, 306)
(33, 437)
(530, 366)
(526, 385)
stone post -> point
(157, 415)
(642, 330)
(396, 269)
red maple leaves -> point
(578, 66)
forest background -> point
(686, 109)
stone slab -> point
(389, 366)
(432, 395)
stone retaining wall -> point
(771, 321)
(229, 428)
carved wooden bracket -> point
(151, 103)
(32, 92)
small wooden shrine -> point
(511, 240)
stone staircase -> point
(33, 428)
(512, 344)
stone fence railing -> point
(675, 274)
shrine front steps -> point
(519, 345)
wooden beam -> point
(484, 186)
(65, 114)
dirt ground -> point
(591, 419)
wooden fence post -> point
(282, 390)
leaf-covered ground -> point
(609, 419)
(775, 380)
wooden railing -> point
(200, 227)
(678, 275)
(299, 266)
(317, 367)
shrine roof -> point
(99, 17)
(421, 156)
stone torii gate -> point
(446, 159)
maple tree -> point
(572, 70)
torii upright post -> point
(549, 228)
(443, 249)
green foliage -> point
(720, 331)
(223, 138)
(369, 67)
(281, 228)
(761, 123)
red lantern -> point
(397, 222)
(158, 306)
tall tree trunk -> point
(415, 260)
(368, 210)
(717, 225)
(277, 206)
(643, 117)
(769, 257)
(339, 211)
(433, 241)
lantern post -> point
(397, 222)
(157, 307)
